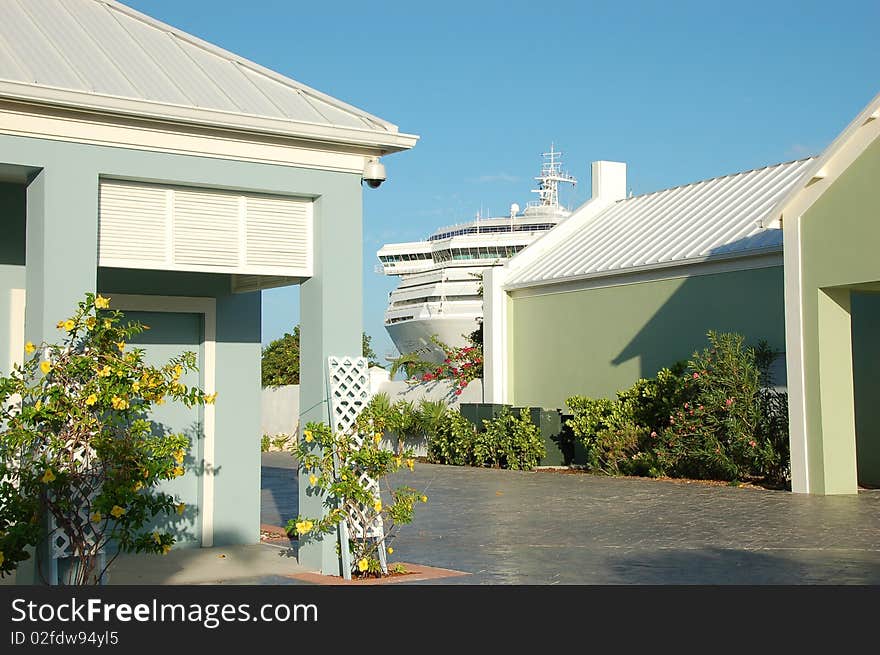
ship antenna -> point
(550, 177)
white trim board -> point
(16, 327)
(207, 307)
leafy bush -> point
(453, 440)
(265, 443)
(77, 443)
(336, 466)
(717, 418)
(507, 441)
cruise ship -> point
(440, 290)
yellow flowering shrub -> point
(334, 465)
(89, 394)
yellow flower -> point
(180, 507)
(178, 471)
(60, 325)
(48, 476)
(29, 347)
(135, 386)
(119, 403)
(377, 506)
(45, 366)
(117, 511)
(120, 345)
(210, 398)
(308, 436)
(91, 322)
(107, 323)
(38, 405)
(410, 464)
(166, 548)
(363, 564)
(2, 558)
(377, 438)
(69, 324)
(96, 517)
(424, 499)
(138, 485)
(303, 527)
(104, 372)
(91, 400)
(178, 371)
(397, 461)
(157, 537)
(313, 479)
(101, 302)
(390, 550)
(160, 400)
(179, 455)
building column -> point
(495, 346)
(836, 434)
(331, 311)
(61, 266)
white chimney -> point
(609, 180)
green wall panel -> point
(596, 341)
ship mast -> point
(549, 179)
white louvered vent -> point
(133, 222)
(277, 231)
(187, 229)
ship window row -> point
(424, 299)
(483, 252)
(398, 319)
(533, 227)
(407, 257)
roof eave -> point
(635, 270)
(383, 141)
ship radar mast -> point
(549, 179)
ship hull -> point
(415, 336)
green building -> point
(180, 179)
(628, 285)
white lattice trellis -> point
(81, 498)
(349, 381)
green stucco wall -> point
(840, 236)
(61, 253)
(595, 342)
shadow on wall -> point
(749, 302)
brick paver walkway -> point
(509, 527)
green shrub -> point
(453, 441)
(509, 442)
(264, 443)
(719, 417)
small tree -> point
(76, 444)
(280, 361)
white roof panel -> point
(109, 51)
(714, 218)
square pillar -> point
(61, 263)
(331, 310)
(836, 438)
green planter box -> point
(477, 412)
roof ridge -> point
(719, 177)
(249, 64)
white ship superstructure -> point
(440, 290)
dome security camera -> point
(374, 173)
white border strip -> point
(16, 327)
(191, 305)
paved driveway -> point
(510, 527)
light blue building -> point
(180, 179)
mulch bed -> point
(414, 573)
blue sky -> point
(680, 91)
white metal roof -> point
(717, 218)
(104, 55)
